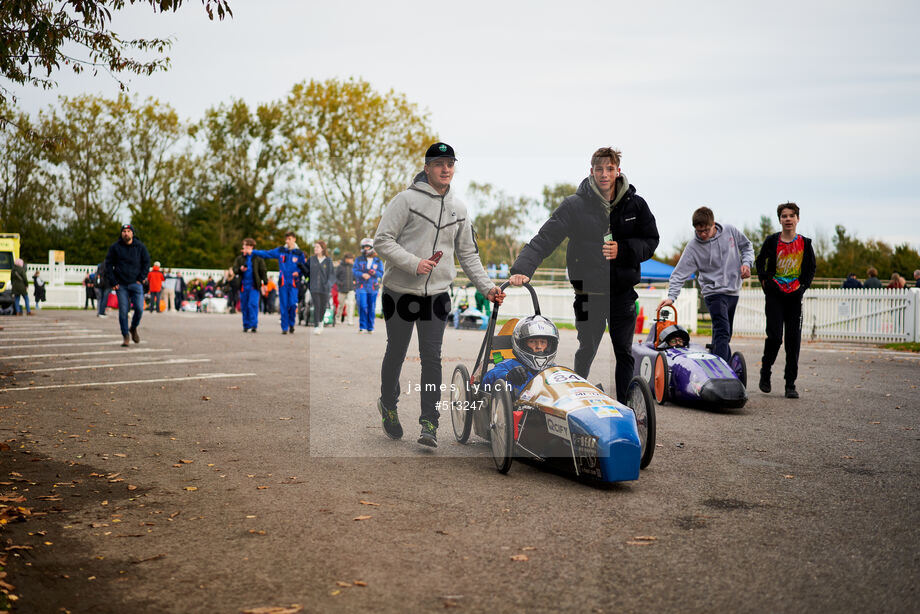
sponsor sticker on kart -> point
(562, 377)
(543, 400)
(700, 356)
(606, 411)
(585, 448)
(526, 395)
(558, 427)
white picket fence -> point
(877, 316)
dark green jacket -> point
(19, 280)
(259, 272)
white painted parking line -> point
(168, 361)
(51, 332)
(890, 354)
(62, 345)
(135, 381)
(59, 355)
(54, 338)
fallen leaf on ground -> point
(528, 548)
(191, 488)
(359, 583)
(363, 502)
(789, 477)
(132, 487)
(363, 517)
(261, 487)
(204, 398)
(254, 532)
(120, 455)
(340, 583)
(295, 608)
(520, 557)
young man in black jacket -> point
(611, 231)
(786, 268)
(127, 264)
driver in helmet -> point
(534, 342)
(673, 336)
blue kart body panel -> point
(574, 426)
(696, 377)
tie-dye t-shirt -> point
(789, 263)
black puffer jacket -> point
(581, 217)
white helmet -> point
(535, 327)
(367, 242)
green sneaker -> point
(429, 436)
(391, 425)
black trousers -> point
(594, 313)
(783, 313)
(428, 315)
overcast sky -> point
(734, 105)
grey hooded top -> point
(417, 223)
(717, 260)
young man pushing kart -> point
(420, 231)
(611, 231)
(722, 256)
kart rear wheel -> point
(501, 426)
(662, 379)
(639, 399)
(739, 366)
(461, 416)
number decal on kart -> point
(562, 377)
(645, 369)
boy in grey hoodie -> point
(722, 256)
(421, 231)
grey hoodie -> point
(717, 260)
(417, 223)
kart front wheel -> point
(461, 416)
(501, 426)
(739, 366)
(639, 399)
(662, 379)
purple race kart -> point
(688, 374)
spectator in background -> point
(19, 283)
(851, 282)
(345, 280)
(722, 256)
(872, 281)
(322, 276)
(251, 272)
(102, 290)
(232, 287)
(368, 271)
(169, 291)
(180, 291)
(786, 267)
(269, 294)
(38, 289)
(89, 286)
(917, 278)
(127, 265)
(292, 263)
(897, 282)
(155, 280)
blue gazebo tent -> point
(652, 270)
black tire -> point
(501, 426)
(739, 366)
(639, 399)
(461, 414)
(661, 376)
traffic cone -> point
(640, 320)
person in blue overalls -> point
(251, 270)
(368, 272)
(291, 263)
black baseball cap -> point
(123, 226)
(439, 150)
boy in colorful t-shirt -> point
(786, 268)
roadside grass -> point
(903, 347)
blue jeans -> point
(103, 300)
(18, 307)
(722, 310)
(130, 295)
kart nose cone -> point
(728, 392)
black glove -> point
(517, 376)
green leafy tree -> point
(498, 219)
(357, 148)
(40, 37)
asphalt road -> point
(207, 470)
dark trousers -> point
(593, 313)
(783, 312)
(90, 298)
(155, 301)
(320, 303)
(722, 311)
(428, 315)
